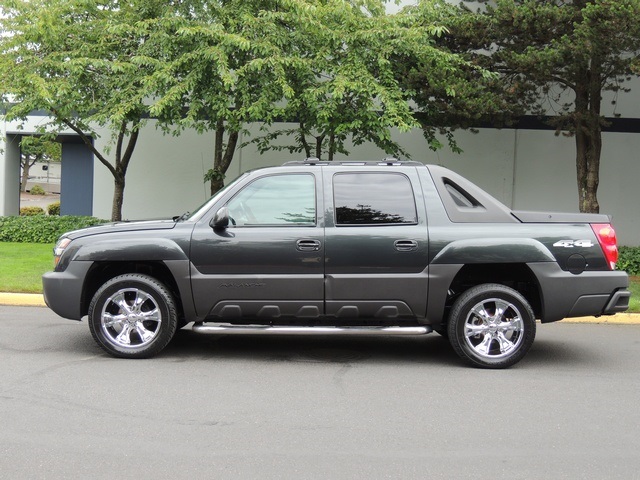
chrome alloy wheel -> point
(130, 318)
(494, 328)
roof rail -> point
(386, 161)
(308, 161)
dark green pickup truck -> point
(373, 248)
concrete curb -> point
(22, 299)
(37, 300)
(617, 319)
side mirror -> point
(221, 219)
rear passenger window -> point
(373, 199)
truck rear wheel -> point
(491, 326)
(133, 316)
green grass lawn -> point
(634, 286)
(22, 265)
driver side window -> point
(276, 200)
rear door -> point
(376, 243)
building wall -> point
(164, 176)
(525, 169)
(9, 175)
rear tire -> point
(133, 316)
(491, 326)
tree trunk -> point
(588, 138)
(121, 165)
(118, 197)
(222, 156)
(319, 141)
(332, 146)
(25, 176)
(303, 140)
(588, 147)
(217, 182)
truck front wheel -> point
(133, 316)
(491, 326)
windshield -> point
(198, 213)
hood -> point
(118, 227)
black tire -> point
(491, 326)
(133, 316)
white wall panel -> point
(525, 169)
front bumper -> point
(63, 290)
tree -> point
(562, 54)
(35, 149)
(449, 95)
(323, 64)
(80, 61)
(347, 88)
(227, 67)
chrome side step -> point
(225, 328)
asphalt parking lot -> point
(278, 407)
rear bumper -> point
(63, 290)
(619, 302)
(565, 295)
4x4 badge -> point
(574, 243)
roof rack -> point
(386, 161)
(308, 161)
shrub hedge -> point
(37, 190)
(41, 228)
(629, 260)
(53, 208)
(30, 211)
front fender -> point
(140, 249)
(493, 250)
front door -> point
(267, 265)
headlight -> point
(59, 249)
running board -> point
(286, 330)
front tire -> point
(491, 326)
(133, 316)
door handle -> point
(308, 245)
(405, 245)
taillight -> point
(606, 236)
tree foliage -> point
(325, 65)
(225, 67)
(330, 66)
(556, 57)
(448, 90)
(348, 89)
(79, 60)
